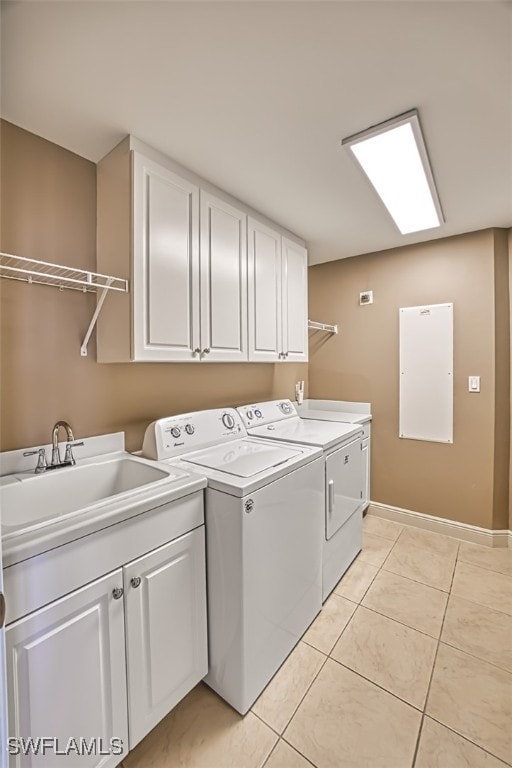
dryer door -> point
(343, 485)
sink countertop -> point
(335, 410)
(23, 543)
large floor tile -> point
(396, 657)
(380, 527)
(346, 722)
(482, 586)
(473, 698)
(432, 542)
(356, 581)
(427, 567)
(285, 756)
(283, 694)
(204, 732)
(479, 630)
(375, 549)
(441, 748)
(410, 602)
(330, 623)
(494, 559)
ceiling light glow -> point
(394, 157)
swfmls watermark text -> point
(52, 745)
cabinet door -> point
(223, 281)
(344, 485)
(264, 292)
(295, 301)
(165, 629)
(66, 676)
(165, 279)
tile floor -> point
(408, 664)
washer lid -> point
(245, 458)
(322, 433)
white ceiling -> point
(256, 97)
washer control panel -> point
(173, 436)
(265, 413)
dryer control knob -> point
(258, 413)
(285, 407)
(175, 431)
(250, 415)
(189, 429)
(228, 421)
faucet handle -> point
(69, 458)
(42, 464)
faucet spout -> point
(56, 460)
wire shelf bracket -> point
(314, 326)
(59, 276)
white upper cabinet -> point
(207, 284)
(295, 301)
(223, 281)
(265, 316)
(277, 296)
(165, 283)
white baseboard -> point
(471, 533)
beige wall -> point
(48, 212)
(468, 480)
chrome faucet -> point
(55, 441)
(56, 462)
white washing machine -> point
(341, 445)
(264, 509)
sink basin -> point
(29, 501)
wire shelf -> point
(45, 273)
(314, 326)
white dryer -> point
(264, 511)
(343, 477)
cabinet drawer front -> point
(165, 264)
(66, 674)
(166, 629)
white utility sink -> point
(29, 501)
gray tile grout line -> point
(402, 623)
(487, 570)
(424, 712)
(465, 738)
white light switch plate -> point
(474, 384)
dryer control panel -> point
(172, 436)
(266, 413)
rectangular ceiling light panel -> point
(394, 157)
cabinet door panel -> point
(223, 280)
(295, 301)
(344, 485)
(166, 629)
(165, 264)
(264, 292)
(66, 674)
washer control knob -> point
(285, 407)
(258, 413)
(175, 431)
(189, 429)
(250, 414)
(228, 420)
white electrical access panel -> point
(426, 373)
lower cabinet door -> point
(66, 681)
(165, 629)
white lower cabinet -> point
(66, 677)
(104, 664)
(165, 629)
